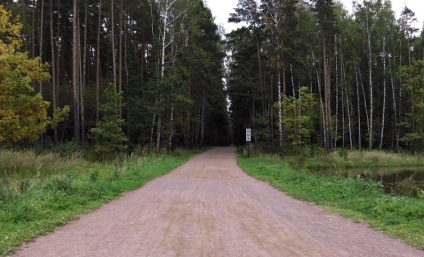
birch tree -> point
(279, 20)
(367, 17)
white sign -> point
(248, 135)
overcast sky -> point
(222, 8)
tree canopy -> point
(23, 115)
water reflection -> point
(403, 180)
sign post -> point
(248, 140)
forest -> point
(119, 76)
(310, 73)
(113, 75)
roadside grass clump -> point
(356, 198)
(33, 205)
(343, 158)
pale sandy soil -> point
(209, 207)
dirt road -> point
(209, 207)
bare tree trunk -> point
(349, 105)
(98, 63)
(337, 95)
(84, 74)
(41, 39)
(162, 69)
(34, 7)
(365, 97)
(121, 31)
(271, 114)
(322, 110)
(395, 111)
(258, 52)
(59, 23)
(113, 45)
(327, 96)
(292, 81)
(280, 111)
(384, 94)
(359, 110)
(158, 133)
(75, 79)
(202, 134)
(171, 132)
(152, 131)
(371, 91)
(53, 63)
(343, 117)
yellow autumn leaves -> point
(23, 115)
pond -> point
(399, 181)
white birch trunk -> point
(371, 91)
(359, 110)
(280, 110)
(394, 104)
(384, 94)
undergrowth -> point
(355, 198)
(41, 192)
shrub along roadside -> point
(363, 201)
(36, 207)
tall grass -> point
(15, 165)
(41, 192)
(343, 158)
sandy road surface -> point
(209, 207)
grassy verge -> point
(343, 158)
(44, 192)
(360, 200)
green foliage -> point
(298, 117)
(108, 138)
(23, 115)
(354, 198)
(413, 84)
(75, 187)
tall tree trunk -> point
(152, 131)
(98, 62)
(371, 91)
(343, 117)
(75, 71)
(280, 111)
(34, 7)
(112, 13)
(162, 69)
(158, 134)
(395, 111)
(41, 39)
(327, 95)
(121, 32)
(202, 134)
(271, 114)
(53, 63)
(349, 106)
(171, 132)
(258, 53)
(84, 74)
(358, 97)
(384, 93)
(337, 95)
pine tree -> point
(109, 141)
